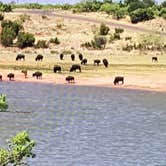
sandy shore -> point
(138, 82)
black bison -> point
(84, 61)
(61, 56)
(37, 74)
(154, 59)
(57, 68)
(75, 67)
(97, 61)
(70, 79)
(72, 57)
(105, 62)
(10, 76)
(39, 57)
(0, 77)
(80, 57)
(118, 79)
(20, 57)
(25, 72)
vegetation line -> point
(50, 13)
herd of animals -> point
(74, 67)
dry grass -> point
(71, 34)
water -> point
(87, 126)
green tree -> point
(19, 148)
(103, 29)
(163, 4)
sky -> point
(53, 1)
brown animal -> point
(37, 74)
(39, 57)
(118, 79)
(0, 77)
(10, 76)
(70, 79)
(154, 59)
(20, 57)
(97, 61)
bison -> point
(39, 57)
(70, 79)
(80, 57)
(10, 76)
(97, 61)
(118, 79)
(105, 62)
(20, 57)
(154, 59)
(75, 67)
(61, 56)
(0, 77)
(72, 57)
(37, 74)
(84, 61)
(57, 68)
(25, 72)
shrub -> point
(7, 36)
(99, 42)
(5, 7)
(104, 29)
(25, 40)
(141, 15)
(33, 6)
(116, 36)
(120, 13)
(41, 44)
(163, 13)
(119, 30)
(55, 40)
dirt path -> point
(86, 19)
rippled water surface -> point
(87, 126)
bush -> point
(25, 40)
(13, 25)
(104, 29)
(99, 42)
(163, 13)
(5, 7)
(141, 15)
(120, 13)
(7, 36)
(55, 40)
(33, 6)
(41, 44)
(116, 36)
(119, 30)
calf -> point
(70, 79)
(10, 76)
(57, 68)
(154, 59)
(84, 61)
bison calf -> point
(119, 79)
(37, 74)
(70, 79)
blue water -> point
(87, 126)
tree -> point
(19, 148)
(163, 4)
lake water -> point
(87, 126)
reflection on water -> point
(87, 126)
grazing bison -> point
(72, 57)
(118, 79)
(25, 72)
(39, 57)
(105, 62)
(61, 56)
(154, 59)
(57, 68)
(0, 77)
(75, 67)
(10, 76)
(20, 57)
(37, 74)
(80, 57)
(70, 79)
(84, 61)
(97, 61)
